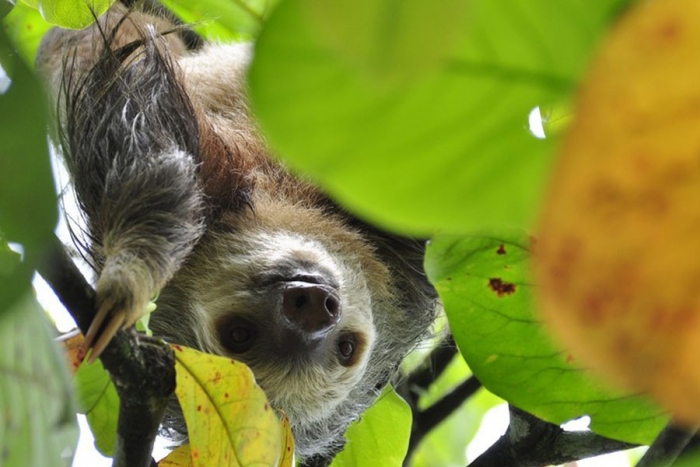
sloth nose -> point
(313, 309)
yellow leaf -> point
(180, 457)
(618, 255)
(229, 420)
(287, 455)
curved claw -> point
(117, 321)
(115, 311)
(94, 329)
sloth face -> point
(298, 315)
(293, 293)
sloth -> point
(182, 197)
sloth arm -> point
(130, 141)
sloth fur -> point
(182, 196)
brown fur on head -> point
(180, 193)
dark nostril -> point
(310, 308)
(332, 305)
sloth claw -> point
(119, 305)
(117, 322)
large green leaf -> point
(25, 27)
(27, 197)
(380, 437)
(38, 426)
(15, 277)
(222, 19)
(439, 142)
(70, 14)
(5, 8)
(485, 284)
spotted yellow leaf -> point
(619, 240)
(229, 420)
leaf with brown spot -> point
(225, 431)
(618, 241)
(507, 347)
(287, 456)
(180, 457)
(500, 287)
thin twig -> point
(667, 446)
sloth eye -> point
(237, 335)
(240, 335)
(347, 346)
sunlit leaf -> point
(446, 147)
(619, 244)
(38, 424)
(70, 14)
(380, 39)
(25, 27)
(486, 286)
(180, 457)
(98, 400)
(229, 420)
(287, 456)
(380, 437)
(221, 19)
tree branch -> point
(142, 369)
(426, 420)
(667, 447)
(437, 361)
(439, 411)
(531, 442)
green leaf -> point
(221, 19)
(15, 277)
(97, 398)
(689, 460)
(70, 14)
(25, 27)
(38, 425)
(27, 198)
(5, 8)
(380, 437)
(446, 146)
(485, 284)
